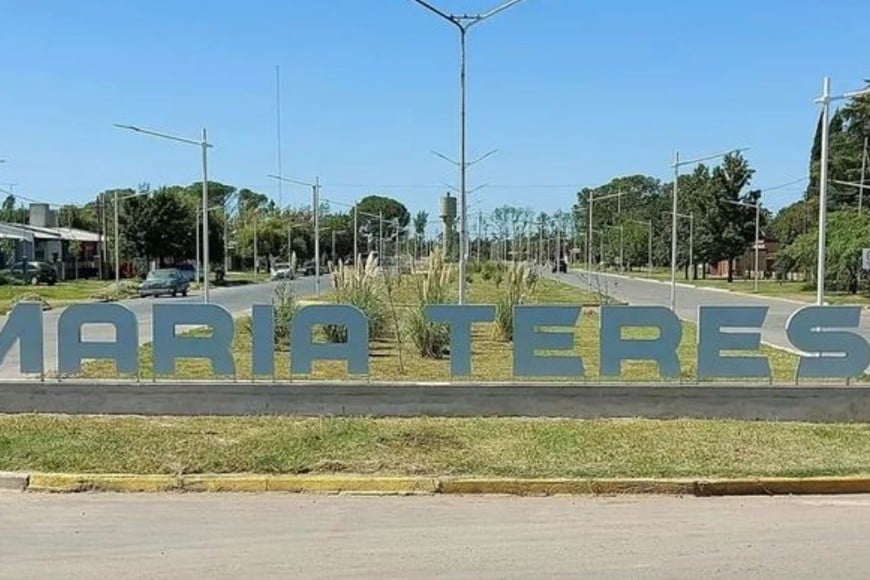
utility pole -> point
(479, 232)
(355, 233)
(380, 236)
(464, 23)
(396, 252)
(316, 202)
(256, 257)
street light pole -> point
(316, 200)
(315, 209)
(463, 23)
(825, 100)
(205, 145)
(757, 207)
(592, 199)
(676, 166)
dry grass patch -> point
(534, 448)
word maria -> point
(543, 339)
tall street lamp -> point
(117, 235)
(315, 209)
(592, 200)
(757, 207)
(464, 22)
(825, 100)
(198, 212)
(204, 145)
(674, 213)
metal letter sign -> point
(544, 342)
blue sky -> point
(571, 93)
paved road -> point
(297, 536)
(236, 299)
(641, 291)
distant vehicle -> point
(281, 271)
(188, 271)
(560, 266)
(168, 281)
(308, 268)
(32, 273)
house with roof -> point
(75, 252)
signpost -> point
(821, 332)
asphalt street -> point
(641, 291)
(236, 299)
(167, 536)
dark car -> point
(560, 266)
(308, 268)
(169, 281)
(32, 273)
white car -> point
(281, 271)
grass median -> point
(529, 448)
(491, 357)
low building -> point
(744, 265)
(75, 252)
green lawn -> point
(59, 295)
(491, 356)
(534, 448)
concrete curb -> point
(10, 481)
(361, 485)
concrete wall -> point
(803, 403)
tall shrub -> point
(432, 340)
(359, 285)
(519, 289)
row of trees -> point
(634, 207)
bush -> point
(432, 340)
(359, 286)
(520, 288)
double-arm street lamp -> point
(315, 209)
(204, 145)
(674, 212)
(463, 22)
(592, 200)
(825, 100)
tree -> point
(732, 226)
(847, 234)
(160, 227)
(373, 206)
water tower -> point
(448, 217)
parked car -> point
(167, 281)
(560, 266)
(281, 271)
(188, 271)
(32, 272)
(308, 268)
